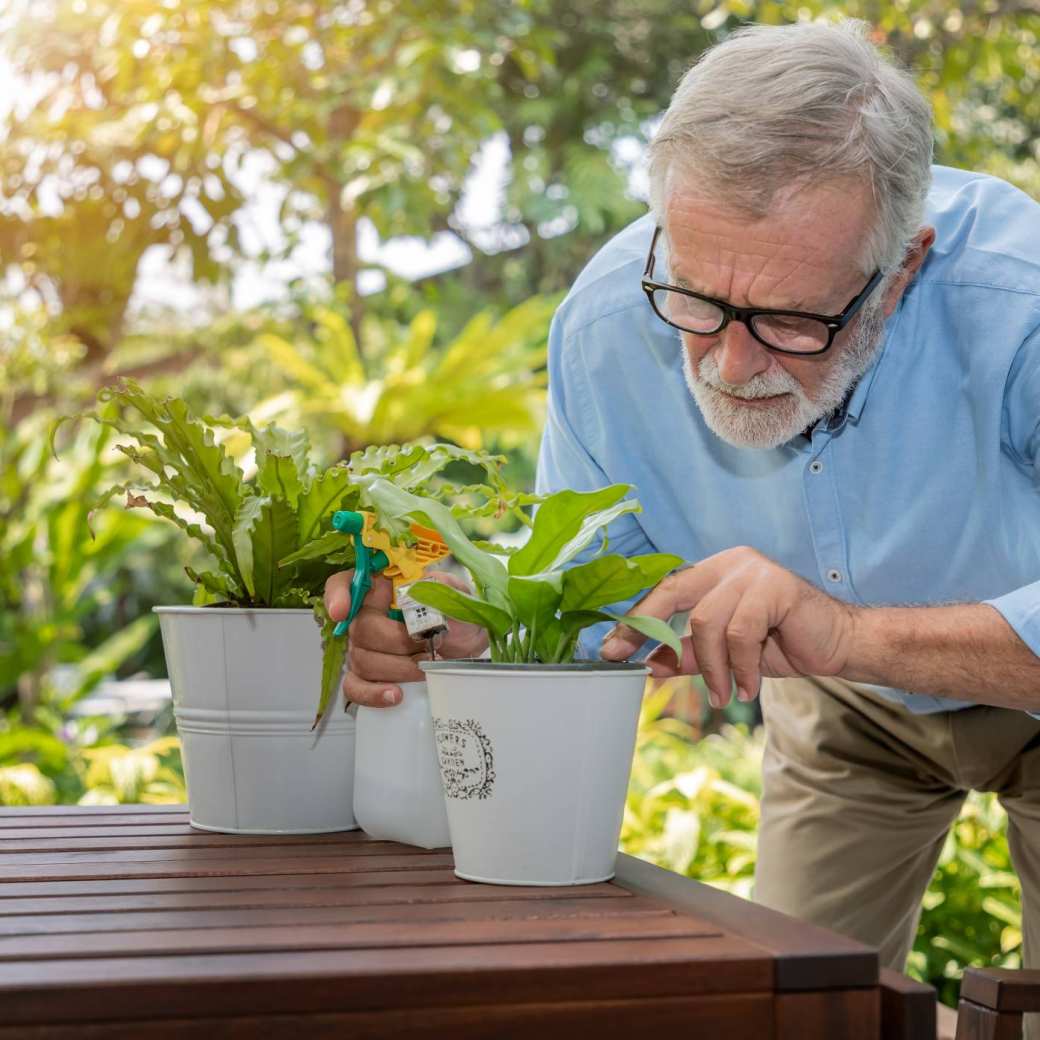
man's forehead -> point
(822, 225)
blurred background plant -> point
(356, 216)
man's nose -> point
(739, 356)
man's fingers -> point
(370, 694)
(373, 630)
(745, 639)
(663, 665)
(337, 594)
(374, 666)
(708, 624)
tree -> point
(138, 113)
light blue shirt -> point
(923, 491)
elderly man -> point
(818, 360)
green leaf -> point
(333, 657)
(612, 579)
(273, 538)
(215, 584)
(456, 604)
(328, 492)
(245, 520)
(653, 628)
(105, 659)
(565, 523)
(330, 543)
(536, 599)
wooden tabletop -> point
(123, 921)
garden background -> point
(357, 217)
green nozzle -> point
(348, 521)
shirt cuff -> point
(1021, 610)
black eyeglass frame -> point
(730, 312)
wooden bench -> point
(126, 922)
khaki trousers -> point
(858, 794)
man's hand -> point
(382, 653)
(749, 617)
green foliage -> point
(521, 603)
(487, 383)
(56, 582)
(149, 774)
(693, 807)
(142, 113)
(973, 907)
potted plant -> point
(535, 748)
(252, 655)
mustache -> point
(762, 385)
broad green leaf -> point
(463, 607)
(653, 628)
(278, 477)
(206, 478)
(273, 537)
(535, 599)
(246, 518)
(612, 579)
(332, 542)
(328, 492)
(574, 621)
(275, 440)
(593, 526)
(560, 521)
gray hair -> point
(790, 106)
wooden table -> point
(125, 922)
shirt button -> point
(833, 575)
(815, 466)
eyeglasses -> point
(787, 332)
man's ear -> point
(915, 254)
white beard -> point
(769, 426)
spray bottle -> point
(403, 564)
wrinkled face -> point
(802, 256)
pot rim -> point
(473, 664)
(236, 611)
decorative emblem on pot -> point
(467, 758)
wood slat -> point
(192, 867)
(503, 908)
(12, 891)
(190, 852)
(158, 836)
(364, 935)
(446, 889)
(372, 979)
(88, 825)
(29, 812)
(747, 1017)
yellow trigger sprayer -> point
(403, 564)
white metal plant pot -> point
(397, 780)
(535, 761)
(245, 688)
